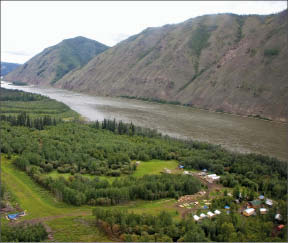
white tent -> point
(249, 211)
(263, 210)
(212, 175)
(196, 218)
(269, 202)
(202, 215)
(217, 212)
(210, 214)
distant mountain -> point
(7, 67)
(54, 62)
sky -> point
(28, 27)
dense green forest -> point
(23, 233)
(41, 141)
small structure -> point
(196, 218)
(186, 172)
(278, 217)
(261, 197)
(269, 202)
(229, 194)
(217, 212)
(249, 211)
(202, 215)
(181, 166)
(196, 203)
(280, 227)
(255, 203)
(211, 178)
(12, 216)
(137, 162)
(227, 207)
(16, 215)
(263, 210)
(204, 170)
(210, 214)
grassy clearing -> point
(37, 201)
(76, 229)
(154, 207)
(154, 167)
(144, 168)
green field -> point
(144, 168)
(76, 229)
(154, 167)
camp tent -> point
(202, 216)
(263, 210)
(210, 214)
(13, 216)
(255, 203)
(249, 211)
(269, 202)
(196, 218)
(217, 212)
(278, 217)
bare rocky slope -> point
(54, 62)
(222, 62)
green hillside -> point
(54, 62)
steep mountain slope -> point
(55, 61)
(7, 67)
(220, 62)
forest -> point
(39, 143)
(23, 233)
(125, 226)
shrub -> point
(271, 52)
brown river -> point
(233, 132)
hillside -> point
(221, 62)
(54, 62)
(7, 67)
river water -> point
(232, 132)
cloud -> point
(27, 27)
(18, 53)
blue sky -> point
(29, 27)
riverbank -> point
(233, 132)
